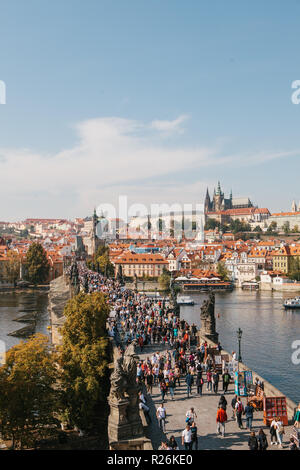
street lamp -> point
(239, 336)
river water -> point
(15, 304)
(268, 330)
(268, 333)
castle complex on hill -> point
(220, 203)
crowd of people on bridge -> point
(151, 321)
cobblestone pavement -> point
(206, 409)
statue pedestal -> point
(214, 337)
(124, 421)
(119, 427)
(133, 413)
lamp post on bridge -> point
(239, 337)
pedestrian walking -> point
(273, 427)
(249, 415)
(171, 387)
(226, 381)
(199, 383)
(239, 409)
(279, 431)
(223, 402)
(221, 420)
(161, 417)
(215, 381)
(189, 382)
(191, 415)
(194, 436)
(208, 380)
(233, 403)
(163, 389)
(187, 438)
(297, 418)
(149, 382)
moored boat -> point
(185, 300)
(292, 303)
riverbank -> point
(31, 288)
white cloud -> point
(169, 126)
(112, 156)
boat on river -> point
(185, 300)
(292, 303)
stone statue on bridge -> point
(74, 277)
(207, 317)
(124, 419)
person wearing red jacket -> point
(221, 420)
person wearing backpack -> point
(239, 409)
(226, 381)
(215, 380)
(233, 403)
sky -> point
(155, 100)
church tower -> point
(218, 198)
(207, 202)
(94, 233)
(294, 207)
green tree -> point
(84, 358)
(286, 227)
(223, 271)
(257, 229)
(295, 229)
(24, 233)
(272, 227)
(294, 271)
(11, 267)
(37, 264)
(239, 226)
(164, 280)
(28, 398)
(103, 262)
(211, 224)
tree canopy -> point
(28, 398)
(11, 268)
(223, 271)
(294, 271)
(37, 264)
(84, 357)
(164, 280)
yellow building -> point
(140, 264)
(282, 259)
